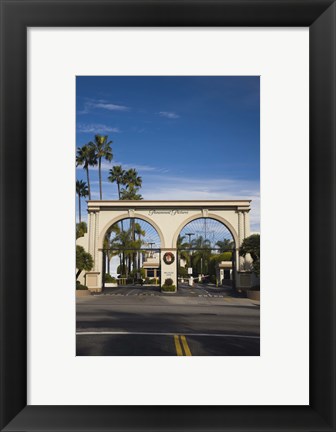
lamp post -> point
(191, 280)
(151, 246)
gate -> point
(209, 266)
(131, 267)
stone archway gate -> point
(168, 218)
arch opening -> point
(206, 253)
(131, 253)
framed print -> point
(53, 63)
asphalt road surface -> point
(139, 322)
(197, 290)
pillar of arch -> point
(168, 218)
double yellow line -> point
(181, 341)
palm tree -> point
(131, 178)
(122, 243)
(130, 193)
(108, 244)
(202, 253)
(86, 157)
(140, 232)
(82, 191)
(133, 183)
(102, 149)
(182, 247)
(225, 246)
(117, 176)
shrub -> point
(168, 288)
(79, 286)
(147, 281)
(183, 272)
(168, 282)
(213, 279)
(84, 260)
(81, 229)
(251, 245)
(110, 279)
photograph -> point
(190, 129)
(167, 216)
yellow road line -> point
(185, 346)
(178, 346)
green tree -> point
(81, 229)
(182, 272)
(182, 249)
(216, 259)
(84, 260)
(108, 244)
(251, 245)
(225, 245)
(132, 182)
(122, 244)
(82, 191)
(201, 254)
(131, 178)
(116, 176)
(102, 149)
(86, 157)
(140, 233)
(130, 193)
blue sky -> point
(188, 137)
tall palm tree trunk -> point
(79, 208)
(100, 183)
(123, 264)
(129, 263)
(133, 239)
(88, 182)
(108, 261)
(118, 184)
(139, 253)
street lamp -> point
(190, 234)
(191, 276)
(151, 246)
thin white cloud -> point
(110, 106)
(91, 104)
(106, 166)
(169, 114)
(96, 128)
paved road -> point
(135, 325)
(197, 290)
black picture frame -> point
(16, 17)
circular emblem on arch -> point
(168, 258)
